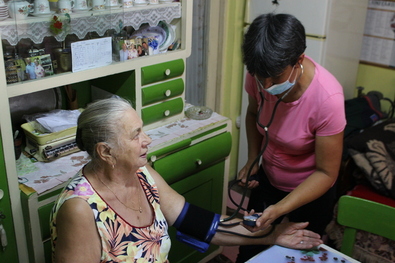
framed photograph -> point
(142, 46)
(38, 66)
(131, 48)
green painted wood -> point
(171, 148)
(200, 135)
(27, 219)
(158, 112)
(162, 91)
(44, 214)
(43, 197)
(162, 71)
(48, 251)
(203, 189)
(122, 84)
(360, 214)
(181, 164)
(10, 254)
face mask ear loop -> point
(301, 73)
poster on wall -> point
(378, 46)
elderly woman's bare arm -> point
(289, 234)
(77, 239)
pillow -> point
(373, 151)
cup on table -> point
(81, 5)
(41, 7)
(65, 6)
(98, 4)
(112, 3)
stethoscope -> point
(266, 136)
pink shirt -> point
(290, 155)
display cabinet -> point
(154, 83)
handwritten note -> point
(91, 53)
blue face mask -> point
(281, 87)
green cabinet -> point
(198, 173)
(203, 189)
(183, 163)
(9, 253)
(36, 212)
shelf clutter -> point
(44, 42)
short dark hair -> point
(272, 42)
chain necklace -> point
(134, 209)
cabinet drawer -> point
(163, 110)
(43, 215)
(181, 164)
(163, 71)
(162, 91)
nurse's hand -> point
(268, 216)
(242, 176)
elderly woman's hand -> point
(293, 235)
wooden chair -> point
(360, 214)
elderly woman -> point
(118, 209)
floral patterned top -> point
(121, 242)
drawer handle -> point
(199, 162)
(167, 93)
(166, 113)
(167, 72)
(153, 158)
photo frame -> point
(38, 66)
(127, 49)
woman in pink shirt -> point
(295, 121)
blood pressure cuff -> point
(196, 226)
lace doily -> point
(90, 22)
